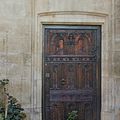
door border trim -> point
(75, 19)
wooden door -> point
(71, 72)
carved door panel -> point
(71, 72)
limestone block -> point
(117, 63)
(117, 8)
(10, 8)
(76, 5)
(108, 116)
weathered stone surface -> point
(117, 63)
(21, 47)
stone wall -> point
(15, 47)
(21, 42)
(116, 59)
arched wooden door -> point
(71, 72)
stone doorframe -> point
(74, 18)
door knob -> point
(63, 82)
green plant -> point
(10, 108)
(72, 115)
(14, 111)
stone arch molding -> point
(71, 18)
(73, 13)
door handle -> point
(63, 81)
